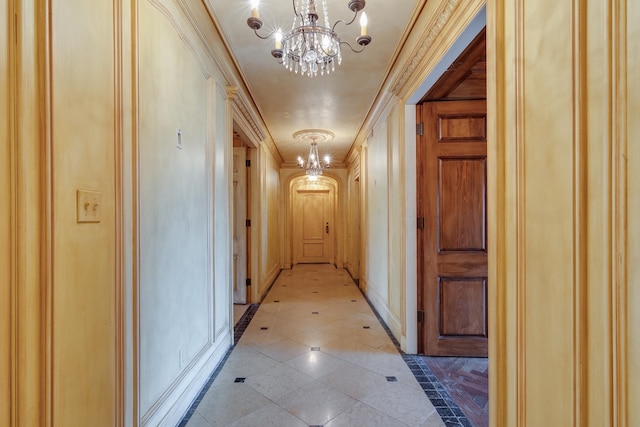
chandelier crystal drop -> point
(312, 46)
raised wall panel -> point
(184, 224)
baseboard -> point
(170, 408)
(270, 279)
(392, 322)
(356, 281)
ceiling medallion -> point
(312, 45)
(313, 165)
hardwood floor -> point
(467, 382)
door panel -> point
(313, 216)
(313, 229)
(453, 244)
(461, 204)
(239, 225)
(462, 305)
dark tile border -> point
(243, 322)
(204, 390)
(238, 330)
(449, 411)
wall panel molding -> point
(177, 14)
(7, 216)
(203, 113)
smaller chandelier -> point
(313, 164)
(312, 45)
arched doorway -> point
(314, 227)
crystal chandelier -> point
(311, 46)
(313, 165)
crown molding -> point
(244, 117)
(447, 8)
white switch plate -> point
(89, 206)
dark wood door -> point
(452, 199)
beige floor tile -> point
(269, 416)
(317, 364)
(229, 402)
(314, 338)
(355, 381)
(196, 420)
(278, 381)
(403, 403)
(433, 421)
(283, 350)
(364, 415)
(245, 361)
(316, 403)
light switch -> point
(89, 206)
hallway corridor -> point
(314, 354)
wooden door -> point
(239, 225)
(313, 227)
(452, 200)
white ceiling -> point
(338, 102)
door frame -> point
(463, 40)
(240, 215)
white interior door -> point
(313, 226)
(239, 225)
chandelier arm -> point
(295, 10)
(351, 47)
(264, 37)
(355, 15)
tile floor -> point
(315, 354)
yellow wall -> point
(267, 216)
(84, 275)
(100, 90)
(560, 267)
(566, 246)
(563, 198)
(629, 226)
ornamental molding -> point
(248, 117)
(443, 17)
(313, 135)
